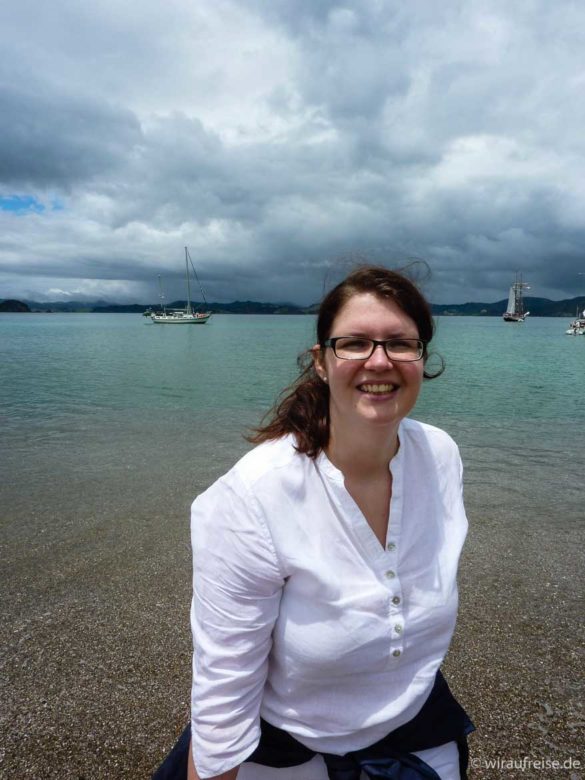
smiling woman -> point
(374, 373)
(399, 311)
(325, 562)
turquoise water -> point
(95, 405)
(59, 366)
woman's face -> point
(376, 391)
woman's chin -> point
(381, 414)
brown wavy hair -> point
(303, 408)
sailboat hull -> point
(514, 317)
(180, 318)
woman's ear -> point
(318, 355)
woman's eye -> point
(355, 345)
(400, 344)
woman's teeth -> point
(377, 389)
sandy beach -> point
(96, 644)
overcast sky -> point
(278, 138)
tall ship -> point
(186, 316)
(515, 310)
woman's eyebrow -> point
(400, 334)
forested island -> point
(11, 305)
(538, 307)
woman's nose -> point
(378, 358)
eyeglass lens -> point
(397, 349)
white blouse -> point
(299, 615)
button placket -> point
(390, 574)
(397, 640)
(391, 570)
(390, 560)
(395, 615)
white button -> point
(398, 628)
(390, 546)
(396, 653)
(396, 600)
(390, 574)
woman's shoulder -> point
(227, 517)
(420, 433)
(431, 451)
(268, 461)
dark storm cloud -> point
(54, 141)
(275, 138)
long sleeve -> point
(237, 585)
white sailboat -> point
(186, 316)
(515, 310)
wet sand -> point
(96, 645)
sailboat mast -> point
(161, 294)
(519, 301)
(188, 282)
(197, 277)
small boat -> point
(186, 316)
(515, 311)
(577, 327)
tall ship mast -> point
(515, 310)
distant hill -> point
(538, 307)
(13, 306)
(104, 307)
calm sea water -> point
(110, 413)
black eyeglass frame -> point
(375, 343)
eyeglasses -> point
(354, 348)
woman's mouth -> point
(376, 389)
